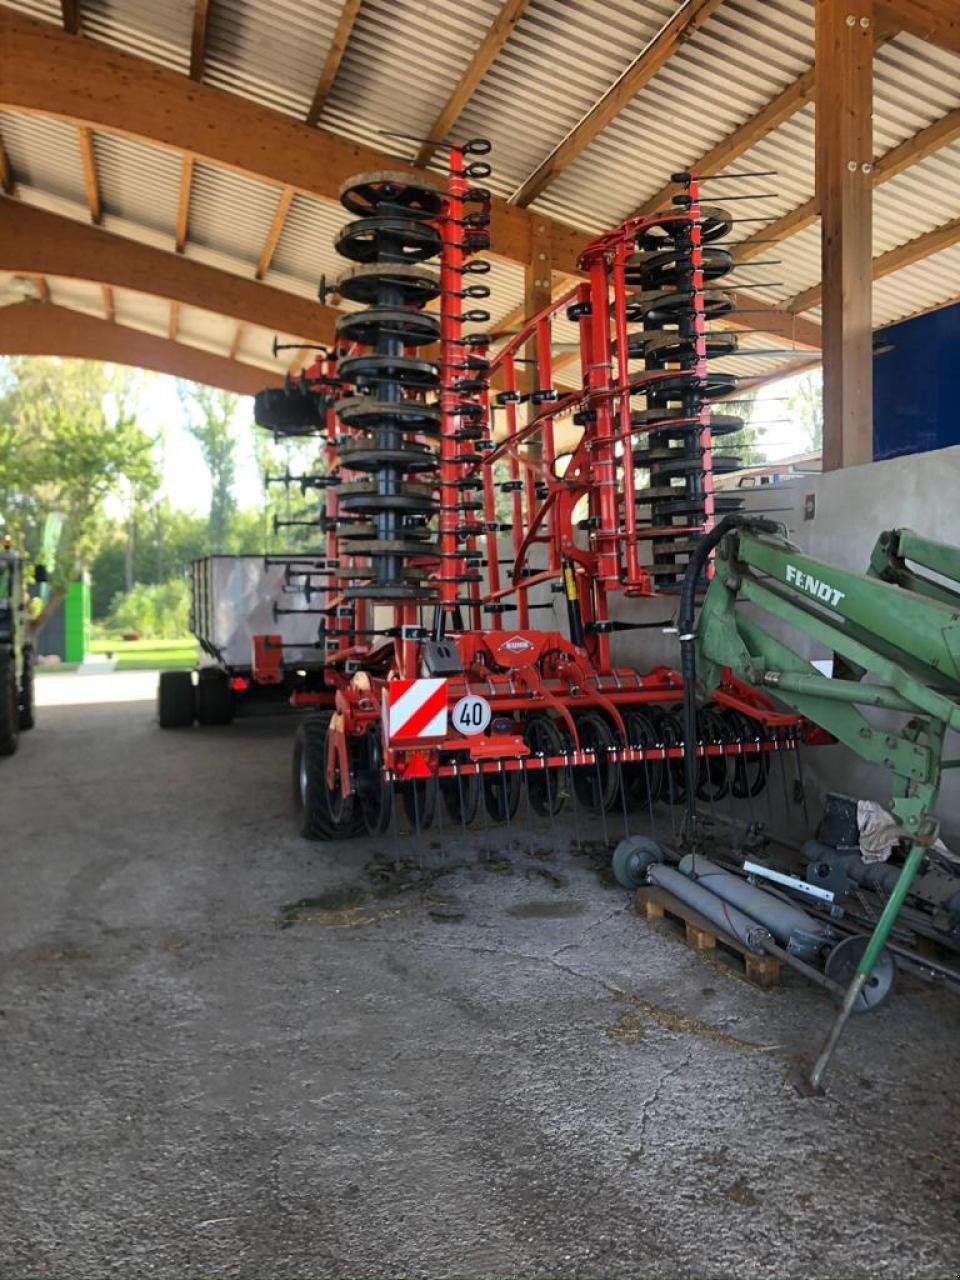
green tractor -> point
(16, 651)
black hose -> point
(686, 618)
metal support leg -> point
(870, 956)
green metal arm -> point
(898, 630)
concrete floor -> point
(508, 1074)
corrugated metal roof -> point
(402, 62)
(400, 66)
(271, 51)
(525, 107)
(230, 213)
(158, 31)
(139, 184)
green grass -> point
(149, 655)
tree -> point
(210, 415)
(804, 406)
(69, 440)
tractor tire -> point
(214, 699)
(318, 810)
(26, 717)
(175, 700)
(9, 707)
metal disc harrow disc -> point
(371, 193)
(360, 455)
(388, 240)
(366, 413)
(656, 268)
(670, 345)
(669, 306)
(289, 412)
(364, 497)
(415, 328)
(403, 371)
(715, 223)
(410, 285)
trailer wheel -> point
(322, 816)
(214, 699)
(175, 700)
(26, 717)
(9, 707)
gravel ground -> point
(497, 1071)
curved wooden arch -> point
(42, 329)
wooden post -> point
(537, 285)
(844, 149)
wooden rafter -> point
(109, 310)
(173, 320)
(91, 182)
(7, 182)
(70, 16)
(509, 14)
(183, 203)
(911, 151)
(198, 39)
(235, 341)
(32, 329)
(331, 65)
(275, 232)
(684, 23)
(935, 20)
(35, 242)
(43, 288)
(904, 255)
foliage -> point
(158, 610)
(210, 414)
(804, 406)
(69, 440)
(747, 443)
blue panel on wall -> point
(915, 367)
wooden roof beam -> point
(183, 204)
(114, 91)
(904, 255)
(173, 320)
(70, 16)
(33, 329)
(509, 14)
(91, 182)
(109, 309)
(35, 242)
(688, 19)
(198, 38)
(935, 20)
(8, 184)
(331, 65)
(275, 232)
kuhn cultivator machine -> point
(449, 517)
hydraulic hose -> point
(686, 619)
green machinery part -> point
(895, 637)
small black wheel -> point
(9, 707)
(175, 700)
(597, 784)
(214, 698)
(325, 814)
(26, 717)
(632, 858)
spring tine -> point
(798, 751)
(786, 795)
(395, 824)
(551, 816)
(416, 823)
(650, 808)
(506, 805)
(602, 807)
(576, 808)
(459, 777)
(525, 783)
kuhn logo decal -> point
(517, 644)
(813, 586)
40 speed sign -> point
(471, 714)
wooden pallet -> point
(654, 903)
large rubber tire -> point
(215, 703)
(9, 707)
(322, 816)
(175, 700)
(26, 717)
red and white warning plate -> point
(415, 709)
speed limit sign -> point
(471, 714)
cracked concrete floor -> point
(507, 1075)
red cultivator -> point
(437, 697)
